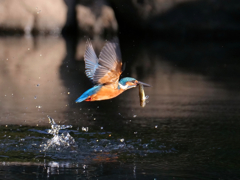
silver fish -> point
(142, 96)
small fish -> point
(142, 96)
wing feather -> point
(110, 64)
(91, 60)
(110, 54)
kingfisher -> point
(105, 72)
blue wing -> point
(88, 93)
(91, 60)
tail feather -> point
(81, 99)
(88, 93)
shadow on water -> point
(189, 128)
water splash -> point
(58, 142)
(55, 127)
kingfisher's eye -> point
(133, 81)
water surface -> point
(188, 130)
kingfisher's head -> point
(128, 83)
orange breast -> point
(106, 92)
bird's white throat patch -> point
(123, 86)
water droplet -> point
(122, 140)
(101, 127)
(156, 126)
(94, 119)
(68, 92)
(135, 132)
(7, 59)
(40, 55)
(35, 97)
(37, 125)
(28, 48)
(134, 115)
(6, 125)
(109, 135)
(38, 85)
(38, 107)
(85, 129)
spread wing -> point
(91, 60)
(110, 64)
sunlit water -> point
(189, 129)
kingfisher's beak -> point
(144, 84)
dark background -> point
(188, 51)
